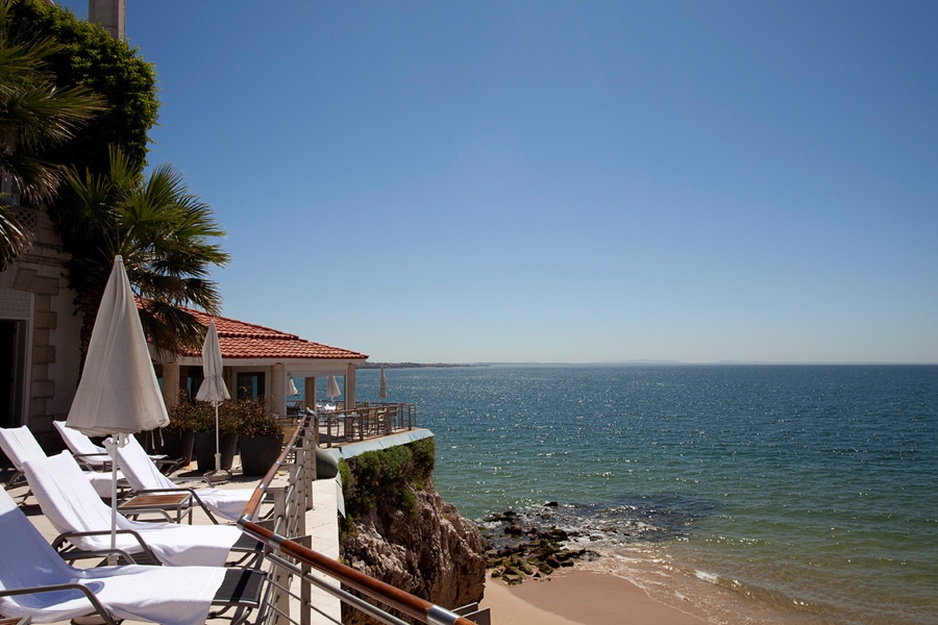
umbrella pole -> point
(217, 443)
(112, 452)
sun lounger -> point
(146, 479)
(20, 445)
(75, 510)
(36, 583)
(86, 452)
(96, 457)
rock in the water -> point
(516, 550)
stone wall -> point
(54, 345)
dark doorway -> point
(12, 370)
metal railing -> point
(293, 559)
(367, 420)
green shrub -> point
(248, 417)
(205, 417)
(253, 418)
(182, 416)
(408, 502)
(386, 478)
(424, 452)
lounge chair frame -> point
(243, 590)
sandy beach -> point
(577, 596)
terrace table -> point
(137, 505)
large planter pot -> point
(259, 452)
(175, 444)
(205, 450)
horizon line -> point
(644, 362)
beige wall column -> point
(310, 391)
(111, 14)
(278, 389)
(171, 384)
(350, 387)
(230, 376)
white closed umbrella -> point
(213, 387)
(382, 385)
(332, 388)
(118, 393)
(291, 387)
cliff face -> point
(424, 547)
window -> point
(191, 380)
(251, 385)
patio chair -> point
(146, 480)
(19, 445)
(36, 583)
(75, 510)
(86, 452)
(96, 457)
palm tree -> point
(165, 235)
(34, 114)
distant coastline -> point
(627, 363)
(416, 365)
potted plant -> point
(204, 427)
(260, 437)
(176, 439)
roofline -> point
(293, 364)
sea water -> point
(746, 494)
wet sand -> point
(579, 597)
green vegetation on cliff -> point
(399, 530)
(386, 478)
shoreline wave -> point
(644, 542)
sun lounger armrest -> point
(167, 465)
(182, 489)
(61, 539)
(81, 458)
(194, 478)
(35, 590)
(73, 554)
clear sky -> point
(564, 181)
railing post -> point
(310, 445)
(306, 594)
(281, 577)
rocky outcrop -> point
(516, 550)
(416, 542)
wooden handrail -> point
(257, 498)
(395, 598)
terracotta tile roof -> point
(239, 339)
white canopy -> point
(118, 391)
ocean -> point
(748, 494)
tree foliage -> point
(91, 58)
(166, 235)
(35, 116)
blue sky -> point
(564, 181)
